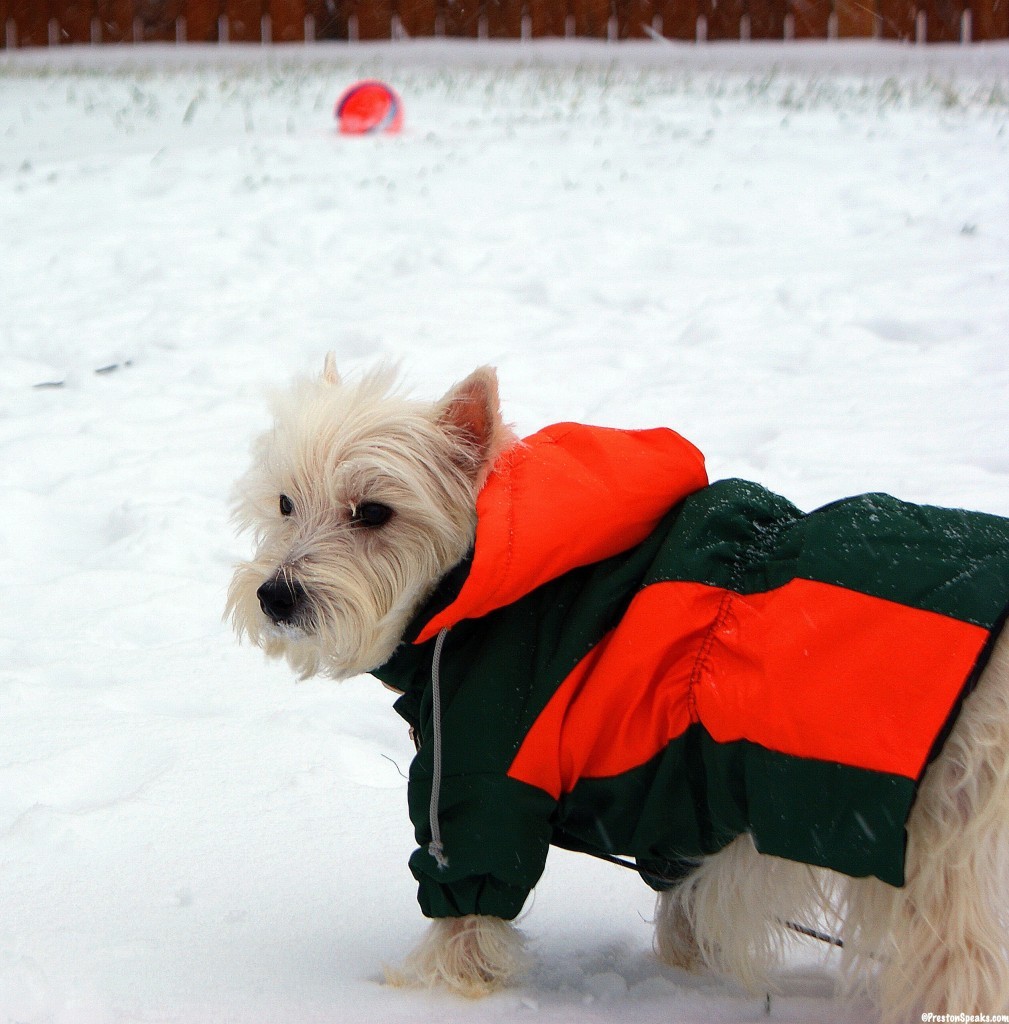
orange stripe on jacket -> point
(810, 669)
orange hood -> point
(565, 497)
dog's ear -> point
(329, 371)
(472, 414)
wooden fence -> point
(56, 22)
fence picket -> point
(287, 19)
(812, 19)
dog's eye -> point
(371, 514)
(286, 505)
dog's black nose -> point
(280, 598)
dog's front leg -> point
(472, 956)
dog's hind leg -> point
(941, 943)
(674, 941)
(731, 914)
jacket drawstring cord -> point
(436, 848)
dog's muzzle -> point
(281, 599)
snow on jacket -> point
(642, 664)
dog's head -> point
(359, 500)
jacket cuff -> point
(483, 894)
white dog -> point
(785, 719)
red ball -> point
(369, 107)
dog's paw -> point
(674, 943)
(472, 956)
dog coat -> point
(633, 662)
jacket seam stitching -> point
(758, 547)
(701, 662)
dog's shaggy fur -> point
(938, 944)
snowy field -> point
(796, 256)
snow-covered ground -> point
(798, 256)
